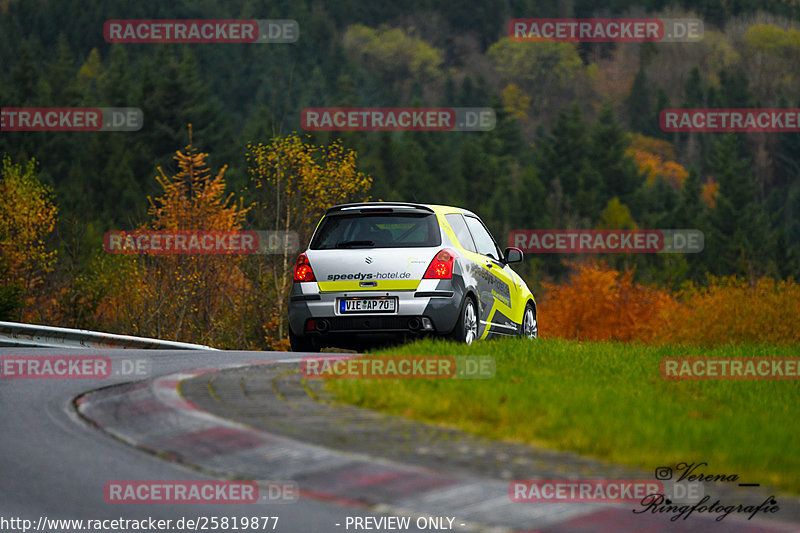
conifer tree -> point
(739, 225)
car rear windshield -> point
(377, 231)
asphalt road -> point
(54, 465)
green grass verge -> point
(607, 400)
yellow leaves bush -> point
(394, 53)
(516, 102)
(600, 303)
(304, 179)
(295, 182)
(733, 310)
(27, 217)
(774, 40)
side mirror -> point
(513, 255)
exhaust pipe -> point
(413, 324)
(322, 326)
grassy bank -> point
(607, 400)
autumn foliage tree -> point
(295, 182)
(600, 303)
(654, 158)
(27, 216)
(734, 310)
(399, 58)
(193, 298)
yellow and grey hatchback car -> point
(382, 270)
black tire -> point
(467, 322)
(528, 329)
(302, 344)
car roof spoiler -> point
(389, 207)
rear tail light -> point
(302, 269)
(442, 265)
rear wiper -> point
(347, 244)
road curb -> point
(154, 417)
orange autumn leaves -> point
(599, 303)
(733, 310)
(194, 298)
(654, 158)
(227, 301)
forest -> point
(577, 144)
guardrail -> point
(34, 336)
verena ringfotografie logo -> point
(695, 477)
(398, 119)
(583, 490)
(71, 119)
(201, 31)
(768, 120)
(200, 492)
(605, 30)
(398, 367)
(719, 368)
(191, 242)
(606, 241)
(70, 367)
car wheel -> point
(530, 327)
(466, 329)
(302, 344)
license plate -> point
(367, 305)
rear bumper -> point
(432, 308)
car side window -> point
(483, 239)
(463, 237)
